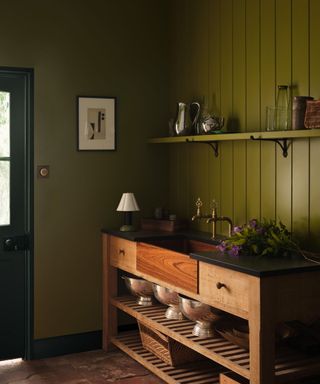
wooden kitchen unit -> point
(263, 292)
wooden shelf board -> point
(290, 134)
(290, 364)
(217, 349)
(203, 372)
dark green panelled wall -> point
(232, 54)
(97, 48)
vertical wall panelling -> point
(198, 52)
(267, 94)
(283, 76)
(239, 111)
(315, 193)
(225, 205)
(184, 196)
(197, 30)
(214, 70)
(314, 34)
(253, 46)
(174, 177)
(180, 85)
(239, 182)
(179, 54)
(300, 83)
(198, 169)
(253, 105)
(253, 64)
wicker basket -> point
(167, 349)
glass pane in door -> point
(4, 158)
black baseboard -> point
(63, 345)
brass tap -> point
(198, 214)
(213, 218)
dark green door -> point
(15, 222)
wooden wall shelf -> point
(290, 134)
(279, 137)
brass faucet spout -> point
(213, 218)
(229, 221)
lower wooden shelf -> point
(216, 348)
(202, 372)
(289, 364)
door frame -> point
(28, 76)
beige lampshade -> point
(128, 203)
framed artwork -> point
(96, 123)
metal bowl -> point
(168, 297)
(140, 288)
(204, 316)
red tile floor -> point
(94, 367)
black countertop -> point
(154, 235)
(257, 266)
(250, 265)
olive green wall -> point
(232, 54)
(99, 48)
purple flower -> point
(253, 223)
(221, 247)
(234, 251)
(237, 229)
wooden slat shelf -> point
(217, 349)
(289, 134)
(289, 363)
(203, 372)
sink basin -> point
(183, 245)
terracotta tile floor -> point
(94, 367)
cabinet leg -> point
(109, 286)
(262, 333)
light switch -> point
(43, 171)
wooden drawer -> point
(224, 288)
(123, 254)
(169, 266)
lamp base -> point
(127, 228)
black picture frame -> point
(96, 123)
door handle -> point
(16, 243)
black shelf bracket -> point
(213, 144)
(283, 143)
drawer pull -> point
(121, 251)
(220, 285)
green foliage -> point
(261, 238)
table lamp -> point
(127, 205)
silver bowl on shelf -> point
(203, 314)
(168, 297)
(140, 288)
